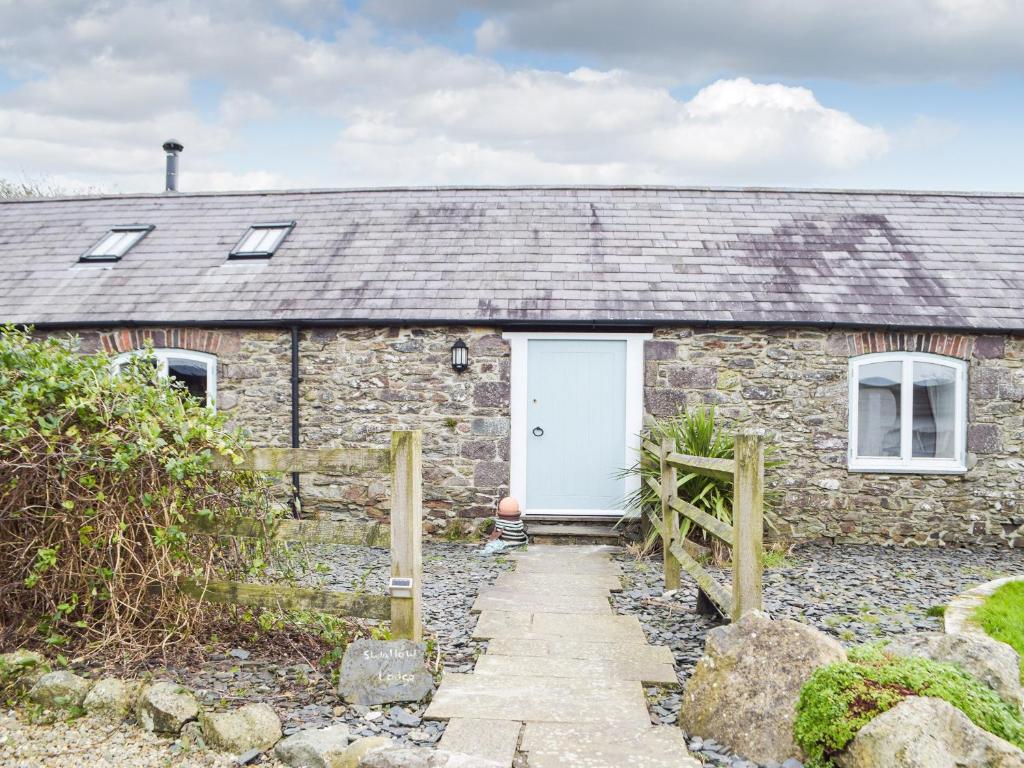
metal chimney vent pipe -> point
(172, 147)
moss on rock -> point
(841, 698)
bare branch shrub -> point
(99, 474)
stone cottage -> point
(527, 331)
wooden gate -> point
(402, 604)
(746, 471)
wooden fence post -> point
(669, 518)
(748, 522)
(407, 531)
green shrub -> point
(98, 474)
(1002, 617)
(841, 698)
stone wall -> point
(357, 385)
(794, 382)
(360, 383)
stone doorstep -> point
(561, 551)
(557, 745)
(622, 668)
(495, 740)
(522, 601)
(612, 703)
(570, 534)
(556, 583)
(565, 553)
(610, 628)
(572, 648)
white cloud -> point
(696, 39)
(582, 128)
(110, 82)
(240, 107)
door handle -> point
(537, 432)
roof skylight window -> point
(261, 240)
(117, 242)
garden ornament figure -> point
(509, 531)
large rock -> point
(744, 690)
(111, 698)
(17, 662)
(254, 726)
(927, 733)
(22, 668)
(314, 748)
(166, 707)
(422, 757)
(59, 690)
(994, 663)
(360, 748)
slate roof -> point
(528, 254)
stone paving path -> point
(562, 680)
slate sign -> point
(384, 671)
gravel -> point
(305, 697)
(86, 742)
(858, 594)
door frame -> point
(519, 342)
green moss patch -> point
(842, 698)
(1002, 617)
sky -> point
(912, 94)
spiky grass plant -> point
(696, 432)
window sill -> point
(913, 470)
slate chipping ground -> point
(856, 593)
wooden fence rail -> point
(402, 604)
(746, 471)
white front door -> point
(576, 410)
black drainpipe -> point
(296, 497)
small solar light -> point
(460, 356)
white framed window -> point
(261, 241)
(197, 371)
(908, 413)
(117, 242)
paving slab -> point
(559, 583)
(619, 668)
(560, 661)
(574, 560)
(556, 745)
(486, 739)
(577, 568)
(573, 648)
(611, 703)
(569, 552)
(529, 601)
(611, 628)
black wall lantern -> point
(460, 356)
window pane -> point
(128, 242)
(105, 247)
(117, 243)
(273, 239)
(878, 409)
(250, 243)
(191, 373)
(934, 411)
(266, 238)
